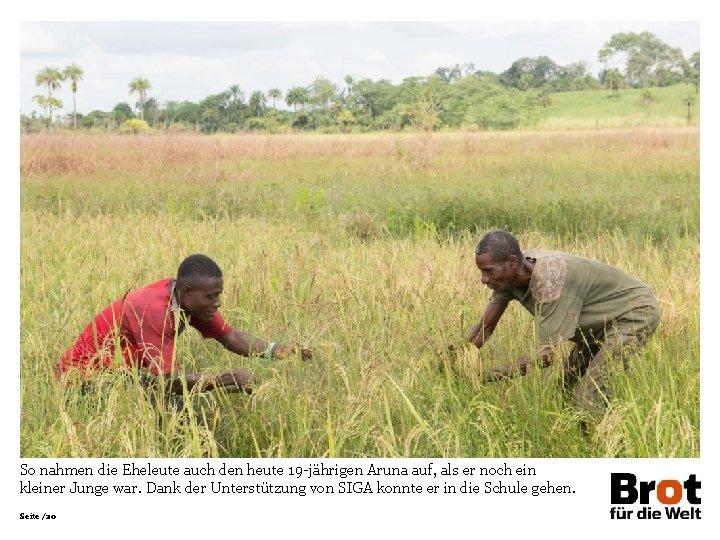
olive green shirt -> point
(571, 296)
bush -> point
(254, 124)
(508, 110)
(135, 126)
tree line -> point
(451, 96)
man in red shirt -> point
(144, 324)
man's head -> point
(498, 257)
(199, 284)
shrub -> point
(135, 126)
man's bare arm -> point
(520, 367)
(244, 344)
(234, 380)
(484, 328)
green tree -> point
(613, 79)
(297, 96)
(347, 92)
(648, 61)
(235, 104)
(691, 71)
(96, 119)
(121, 112)
(152, 109)
(51, 78)
(74, 73)
(448, 74)
(372, 99)
(302, 121)
(573, 77)
(257, 103)
(274, 94)
(507, 110)
(213, 112)
(579, 77)
(544, 98)
(527, 81)
(272, 121)
(457, 71)
(187, 113)
(140, 86)
(255, 124)
(48, 103)
(346, 119)
(31, 124)
(210, 119)
(322, 92)
(464, 93)
(542, 68)
(422, 98)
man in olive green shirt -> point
(598, 308)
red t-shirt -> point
(147, 321)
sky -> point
(186, 60)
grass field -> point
(630, 107)
(362, 247)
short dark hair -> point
(195, 268)
(500, 245)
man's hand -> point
(234, 380)
(283, 351)
(520, 367)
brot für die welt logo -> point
(678, 499)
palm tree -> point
(275, 94)
(75, 74)
(140, 86)
(614, 80)
(154, 109)
(236, 100)
(689, 100)
(235, 93)
(257, 102)
(350, 81)
(297, 96)
(50, 77)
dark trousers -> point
(587, 367)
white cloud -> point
(36, 40)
